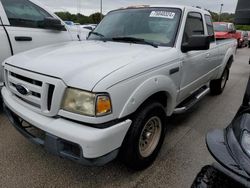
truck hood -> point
(82, 64)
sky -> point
(88, 7)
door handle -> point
(207, 55)
(23, 38)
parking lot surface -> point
(182, 156)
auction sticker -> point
(162, 14)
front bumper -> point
(96, 146)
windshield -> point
(156, 25)
(220, 27)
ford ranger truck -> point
(27, 24)
(109, 96)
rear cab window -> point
(23, 13)
(210, 28)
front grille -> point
(34, 86)
(41, 89)
(50, 95)
(29, 80)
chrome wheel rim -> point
(224, 79)
(150, 136)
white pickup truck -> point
(26, 24)
(110, 95)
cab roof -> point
(182, 7)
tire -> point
(238, 43)
(209, 177)
(218, 86)
(142, 142)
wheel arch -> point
(227, 63)
(158, 88)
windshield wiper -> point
(96, 33)
(135, 40)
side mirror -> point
(196, 42)
(53, 24)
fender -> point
(228, 57)
(148, 88)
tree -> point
(80, 18)
(96, 17)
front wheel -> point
(145, 137)
(218, 86)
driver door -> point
(24, 27)
(194, 63)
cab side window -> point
(194, 26)
(210, 28)
(23, 13)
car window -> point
(157, 25)
(23, 13)
(210, 28)
(221, 27)
(194, 26)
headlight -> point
(245, 142)
(86, 103)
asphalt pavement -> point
(184, 152)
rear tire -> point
(218, 86)
(145, 137)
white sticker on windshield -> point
(162, 14)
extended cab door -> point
(25, 27)
(213, 56)
(5, 48)
(195, 63)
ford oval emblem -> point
(22, 90)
